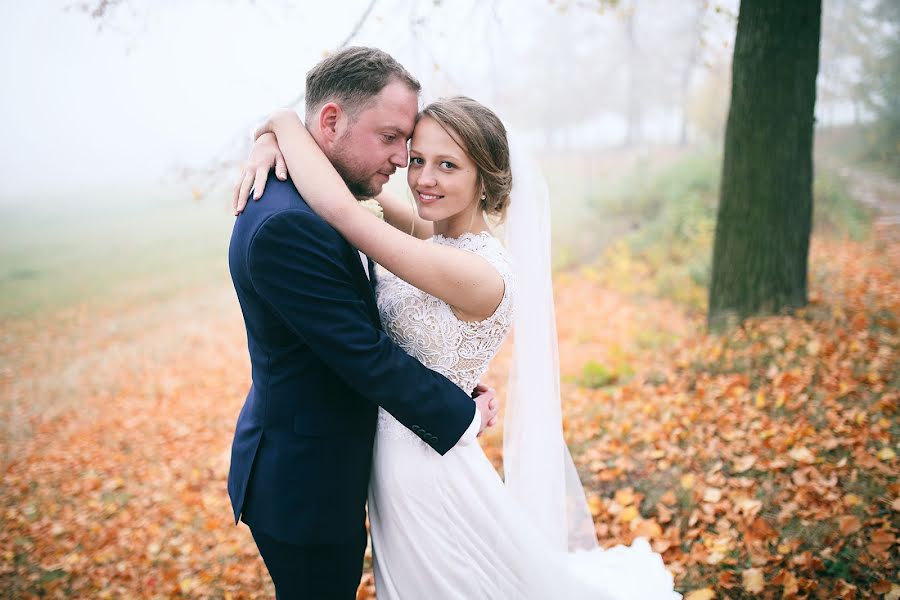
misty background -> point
(105, 93)
(125, 122)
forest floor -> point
(760, 463)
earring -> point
(483, 197)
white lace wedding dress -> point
(445, 526)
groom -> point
(320, 362)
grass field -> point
(57, 254)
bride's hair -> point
(483, 137)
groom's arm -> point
(295, 265)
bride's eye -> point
(415, 160)
(447, 164)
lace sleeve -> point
(490, 249)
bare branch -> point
(353, 33)
(359, 24)
(99, 9)
(228, 158)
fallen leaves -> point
(780, 437)
(758, 463)
(121, 492)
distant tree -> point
(861, 69)
(707, 103)
(846, 54)
(884, 82)
(765, 208)
(687, 69)
(635, 99)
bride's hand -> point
(263, 157)
(487, 404)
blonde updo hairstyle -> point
(481, 134)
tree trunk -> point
(765, 205)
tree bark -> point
(765, 205)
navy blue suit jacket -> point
(321, 364)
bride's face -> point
(441, 176)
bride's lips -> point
(426, 198)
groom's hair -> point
(352, 77)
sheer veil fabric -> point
(539, 472)
(538, 468)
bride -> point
(448, 526)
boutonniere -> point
(373, 206)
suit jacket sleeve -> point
(296, 265)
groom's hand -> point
(263, 157)
(487, 406)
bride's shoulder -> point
(482, 243)
(486, 246)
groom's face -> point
(374, 144)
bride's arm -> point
(403, 216)
(464, 280)
(266, 154)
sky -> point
(160, 85)
(169, 85)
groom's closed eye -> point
(390, 135)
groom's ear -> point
(331, 123)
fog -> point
(110, 94)
(136, 95)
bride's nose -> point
(427, 178)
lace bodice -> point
(427, 328)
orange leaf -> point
(712, 494)
(753, 580)
(802, 454)
(886, 454)
(744, 463)
(629, 514)
(849, 524)
(625, 496)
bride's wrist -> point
(267, 138)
